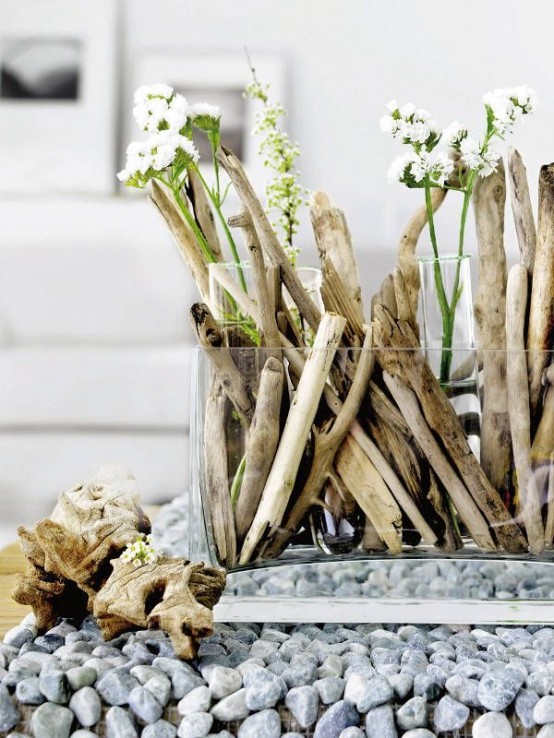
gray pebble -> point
(81, 676)
(547, 731)
(402, 684)
(524, 706)
(197, 700)
(144, 672)
(86, 705)
(100, 666)
(413, 714)
(115, 687)
(195, 725)
(224, 681)
(51, 720)
(419, 733)
(184, 682)
(119, 724)
(380, 723)
(263, 649)
(331, 666)
(492, 725)
(159, 729)
(339, 716)
(143, 703)
(28, 692)
(232, 707)
(367, 693)
(262, 694)
(9, 713)
(425, 686)
(83, 733)
(464, 690)
(160, 686)
(300, 673)
(541, 682)
(330, 689)
(498, 689)
(303, 702)
(352, 732)
(543, 711)
(450, 714)
(55, 687)
(264, 724)
(19, 635)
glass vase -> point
(448, 334)
(342, 562)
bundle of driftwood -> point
(357, 424)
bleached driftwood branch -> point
(522, 210)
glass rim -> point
(380, 349)
(431, 258)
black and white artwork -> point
(40, 68)
(233, 116)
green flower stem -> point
(214, 198)
(237, 481)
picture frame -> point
(220, 79)
(58, 80)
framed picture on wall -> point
(219, 79)
(57, 96)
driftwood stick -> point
(413, 370)
(210, 338)
(542, 450)
(522, 210)
(203, 213)
(261, 289)
(466, 507)
(334, 243)
(371, 540)
(541, 312)
(371, 493)
(183, 236)
(336, 299)
(326, 442)
(261, 444)
(490, 311)
(549, 526)
(217, 476)
(267, 237)
(450, 538)
(244, 302)
(518, 402)
(408, 242)
(282, 476)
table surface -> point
(12, 562)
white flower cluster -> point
(168, 118)
(140, 552)
(508, 104)
(416, 129)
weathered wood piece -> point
(489, 199)
(302, 411)
(183, 236)
(266, 235)
(261, 444)
(217, 475)
(203, 213)
(336, 299)
(518, 402)
(211, 339)
(522, 210)
(540, 330)
(542, 450)
(172, 594)
(408, 243)
(415, 373)
(334, 243)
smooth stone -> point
(339, 716)
(300, 673)
(412, 714)
(115, 687)
(380, 723)
(9, 713)
(450, 714)
(331, 667)
(81, 676)
(197, 700)
(419, 733)
(159, 729)
(50, 720)
(55, 687)
(160, 686)
(492, 725)
(86, 705)
(100, 666)
(464, 690)
(232, 707)
(28, 692)
(262, 695)
(303, 702)
(82, 733)
(19, 635)
(195, 725)
(145, 706)
(330, 689)
(224, 681)
(426, 686)
(184, 682)
(498, 689)
(543, 711)
(367, 693)
(352, 732)
(264, 724)
(524, 705)
(119, 723)
(547, 731)
(401, 683)
(144, 672)
(541, 682)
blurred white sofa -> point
(95, 349)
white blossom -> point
(146, 92)
(392, 106)
(407, 110)
(205, 109)
(388, 124)
(454, 134)
(178, 113)
(409, 168)
(479, 159)
(413, 126)
(441, 168)
(508, 104)
(140, 552)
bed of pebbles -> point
(270, 680)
